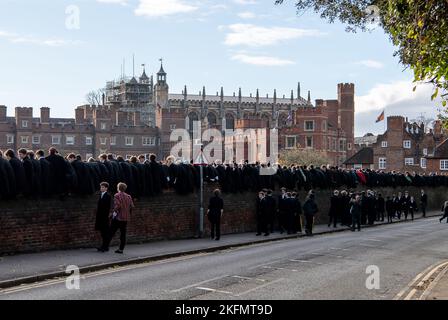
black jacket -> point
(103, 211)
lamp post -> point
(201, 162)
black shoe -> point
(266, 234)
(100, 250)
(258, 234)
(119, 251)
(217, 239)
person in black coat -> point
(37, 173)
(379, 203)
(19, 172)
(29, 173)
(214, 213)
(270, 210)
(60, 169)
(8, 182)
(297, 223)
(390, 209)
(423, 202)
(282, 210)
(405, 204)
(261, 214)
(46, 174)
(102, 216)
(412, 207)
(309, 209)
(157, 174)
(334, 208)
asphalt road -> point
(331, 266)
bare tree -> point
(95, 97)
(303, 157)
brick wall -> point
(30, 226)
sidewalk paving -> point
(32, 267)
(440, 289)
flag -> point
(380, 117)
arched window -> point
(230, 122)
(211, 119)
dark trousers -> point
(271, 221)
(399, 214)
(406, 212)
(390, 215)
(424, 210)
(333, 219)
(104, 231)
(380, 215)
(356, 221)
(282, 221)
(309, 220)
(114, 226)
(262, 225)
(445, 215)
(215, 226)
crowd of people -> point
(36, 174)
(351, 209)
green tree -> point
(303, 157)
(418, 28)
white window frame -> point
(69, 143)
(103, 141)
(444, 164)
(423, 163)
(382, 163)
(55, 140)
(294, 144)
(24, 139)
(344, 145)
(148, 141)
(113, 140)
(172, 126)
(357, 166)
(408, 161)
(425, 151)
(103, 125)
(9, 139)
(306, 142)
(383, 144)
(35, 139)
(349, 146)
(89, 140)
(407, 144)
(308, 121)
(24, 123)
(127, 139)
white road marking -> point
(305, 261)
(259, 287)
(213, 290)
(248, 278)
(199, 283)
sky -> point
(52, 53)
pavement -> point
(28, 268)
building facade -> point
(403, 147)
(139, 116)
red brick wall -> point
(30, 226)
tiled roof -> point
(363, 156)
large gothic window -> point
(230, 122)
(192, 116)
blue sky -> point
(48, 59)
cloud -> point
(261, 60)
(157, 8)
(30, 39)
(256, 36)
(122, 2)
(245, 2)
(370, 64)
(396, 98)
(247, 15)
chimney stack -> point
(44, 115)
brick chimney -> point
(437, 129)
(44, 115)
(3, 113)
(137, 120)
(79, 116)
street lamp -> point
(201, 161)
